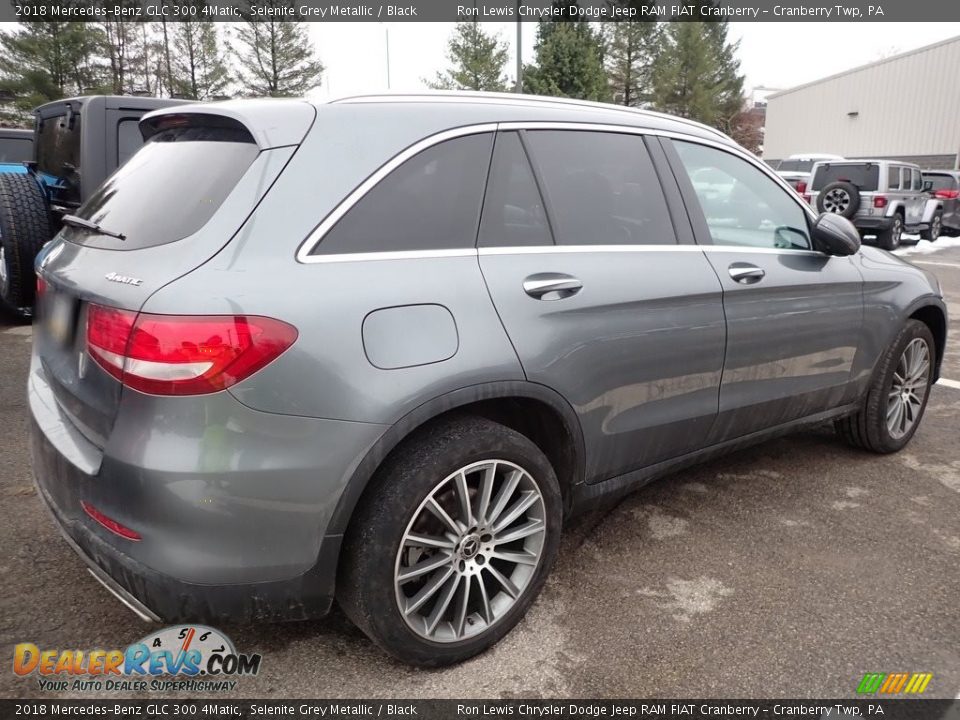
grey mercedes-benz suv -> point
(377, 350)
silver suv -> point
(883, 198)
(378, 350)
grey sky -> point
(773, 54)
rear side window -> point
(893, 178)
(865, 176)
(601, 188)
(431, 202)
(513, 214)
(15, 150)
(129, 140)
(170, 189)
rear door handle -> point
(745, 273)
(551, 286)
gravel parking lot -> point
(789, 570)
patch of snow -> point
(925, 247)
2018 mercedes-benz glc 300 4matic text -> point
(377, 350)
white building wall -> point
(907, 105)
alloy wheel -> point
(909, 388)
(4, 279)
(935, 228)
(836, 201)
(470, 551)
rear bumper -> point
(155, 596)
(232, 504)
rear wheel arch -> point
(533, 410)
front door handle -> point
(745, 273)
(551, 286)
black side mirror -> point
(927, 185)
(835, 235)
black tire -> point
(839, 197)
(867, 428)
(890, 239)
(936, 228)
(365, 587)
(24, 228)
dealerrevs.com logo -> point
(181, 657)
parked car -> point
(796, 168)
(945, 185)
(883, 198)
(16, 148)
(379, 349)
(76, 143)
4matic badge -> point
(185, 653)
(125, 279)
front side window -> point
(431, 202)
(742, 205)
(129, 140)
(917, 181)
(601, 188)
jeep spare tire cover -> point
(842, 198)
(24, 228)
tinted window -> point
(917, 183)
(430, 202)
(940, 182)
(169, 189)
(513, 212)
(865, 176)
(893, 178)
(795, 165)
(129, 140)
(15, 150)
(58, 154)
(742, 205)
(601, 188)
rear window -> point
(940, 182)
(15, 150)
(795, 165)
(170, 188)
(58, 154)
(865, 176)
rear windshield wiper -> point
(79, 222)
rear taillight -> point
(41, 286)
(947, 194)
(879, 201)
(183, 354)
(801, 187)
(109, 523)
(807, 199)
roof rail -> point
(516, 99)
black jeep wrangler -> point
(77, 143)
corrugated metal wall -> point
(908, 105)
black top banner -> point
(160, 707)
(481, 10)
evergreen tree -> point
(42, 61)
(476, 58)
(199, 66)
(276, 57)
(127, 51)
(697, 74)
(568, 63)
(632, 47)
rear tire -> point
(870, 428)
(890, 239)
(936, 227)
(383, 545)
(24, 228)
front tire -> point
(936, 227)
(453, 542)
(898, 393)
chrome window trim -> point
(316, 235)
